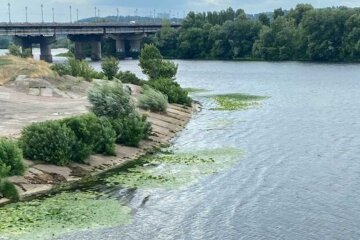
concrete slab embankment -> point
(40, 179)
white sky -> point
(145, 7)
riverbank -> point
(40, 179)
(20, 109)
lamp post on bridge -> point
(77, 14)
(95, 13)
(117, 14)
(9, 12)
(70, 14)
(53, 15)
(42, 13)
(26, 14)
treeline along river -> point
(298, 176)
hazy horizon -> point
(144, 8)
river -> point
(299, 176)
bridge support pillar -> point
(79, 54)
(44, 41)
(26, 46)
(95, 50)
(120, 48)
(135, 46)
(45, 52)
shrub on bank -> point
(93, 135)
(14, 50)
(49, 141)
(131, 129)
(77, 68)
(11, 161)
(80, 68)
(153, 100)
(8, 190)
(153, 65)
(110, 100)
(61, 69)
(172, 89)
(129, 77)
(110, 67)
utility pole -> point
(53, 14)
(117, 14)
(70, 14)
(99, 13)
(26, 14)
(9, 12)
(77, 14)
(42, 13)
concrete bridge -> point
(80, 33)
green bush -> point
(77, 68)
(129, 77)
(49, 141)
(153, 65)
(132, 129)
(110, 100)
(153, 100)
(93, 134)
(61, 68)
(26, 53)
(168, 69)
(4, 170)
(110, 67)
(97, 75)
(172, 89)
(14, 50)
(80, 68)
(8, 190)
(11, 160)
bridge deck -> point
(51, 29)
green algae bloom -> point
(196, 90)
(60, 214)
(173, 170)
(236, 101)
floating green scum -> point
(171, 170)
(236, 101)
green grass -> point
(236, 101)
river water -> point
(299, 177)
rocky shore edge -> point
(41, 179)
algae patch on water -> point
(172, 170)
(196, 90)
(59, 214)
(236, 101)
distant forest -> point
(302, 33)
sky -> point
(144, 7)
